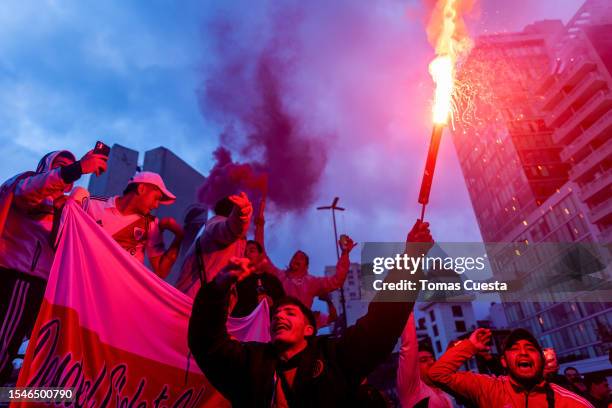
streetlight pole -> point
(334, 207)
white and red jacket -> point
(410, 387)
(221, 239)
(307, 287)
(487, 391)
(28, 198)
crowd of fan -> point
(230, 275)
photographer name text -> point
(424, 284)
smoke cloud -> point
(248, 91)
(330, 99)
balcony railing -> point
(606, 236)
(591, 160)
(596, 185)
(570, 98)
(591, 133)
(600, 211)
(553, 90)
(561, 133)
(546, 83)
(563, 78)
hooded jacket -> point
(26, 215)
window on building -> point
(422, 323)
(438, 346)
(460, 326)
(457, 311)
(432, 316)
(435, 331)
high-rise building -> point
(507, 155)
(536, 158)
(577, 101)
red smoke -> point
(227, 177)
(247, 92)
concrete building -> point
(577, 102)
(537, 168)
(180, 178)
(356, 301)
(497, 317)
(122, 164)
(446, 322)
(448, 315)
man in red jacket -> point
(523, 387)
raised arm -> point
(163, 264)
(408, 373)
(266, 264)
(332, 313)
(31, 191)
(445, 374)
(235, 225)
(331, 283)
(367, 343)
(223, 360)
(260, 222)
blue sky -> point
(74, 72)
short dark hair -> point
(594, 378)
(299, 251)
(290, 300)
(224, 207)
(131, 188)
(257, 245)
(426, 347)
(570, 368)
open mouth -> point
(524, 364)
(280, 326)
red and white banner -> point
(114, 332)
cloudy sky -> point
(352, 76)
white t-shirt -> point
(134, 239)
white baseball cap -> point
(155, 179)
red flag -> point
(113, 331)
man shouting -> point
(297, 368)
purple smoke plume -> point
(247, 91)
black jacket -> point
(329, 369)
(247, 292)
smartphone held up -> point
(101, 148)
